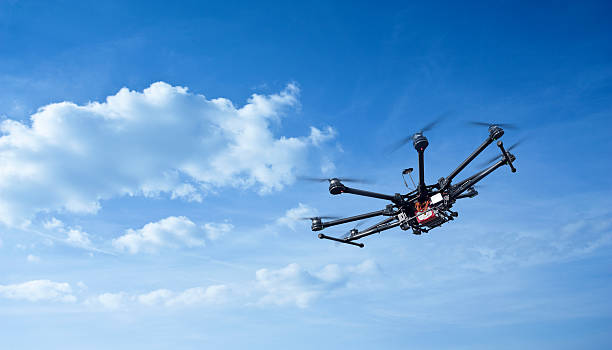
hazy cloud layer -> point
(291, 285)
(197, 296)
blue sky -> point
(150, 154)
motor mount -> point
(495, 132)
(335, 186)
(317, 225)
(419, 141)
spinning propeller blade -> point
(397, 145)
(503, 125)
(348, 233)
(342, 179)
(400, 143)
(320, 217)
(431, 125)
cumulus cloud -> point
(170, 232)
(319, 137)
(215, 231)
(38, 290)
(78, 238)
(294, 216)
(294, 285)
(161, 140)
(155, 297)
(73, 236)
(188, 192)
(111, 301)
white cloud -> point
(294, 216)
(294, 285)
(53, 224)
(171, 232)
(111, 301)
(188, 192)
(78, 238)
(38, 290)
(288, 286)
(479, 250)
(327, 166)
(161, 140)
(214, 294)
(367, 267)
(155, 297)
(82, 286)
(214, 231)
(319, 137)
(291, 285)
(33, 258)
(211, 295)
(73, 236)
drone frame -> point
(435, 200)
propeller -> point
(320, 218)
(343, 179)
(400, 143)
(432, 124)
(491, 160)
(503, 125)
(349, 232)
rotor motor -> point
(335, 186)
(495, 132)
(420, 142)
(317, 225)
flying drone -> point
(427, 206)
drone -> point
(427, 206)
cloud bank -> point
(292, 285)
(163, 140)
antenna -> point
(408, 171)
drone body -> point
(428, 206)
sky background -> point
(149, 155)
